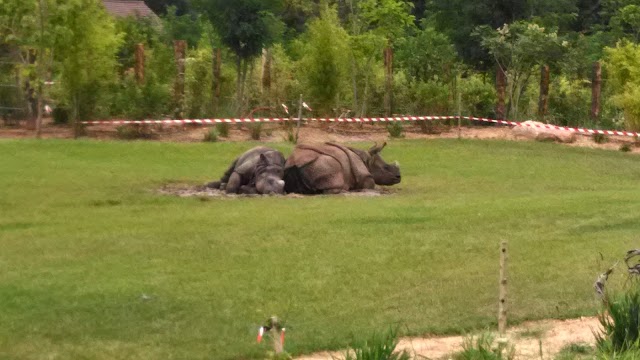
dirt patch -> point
(203, 192)
(528, 338)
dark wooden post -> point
(543, 102)
(266, 71)
(596, 87)
(217, 64)
(388, 84)
(140, 63)
(180, 53)
(502, 303)
(501, 87)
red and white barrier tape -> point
(357, 120)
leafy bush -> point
(395, 129)
(600, 138)
(478, 96)
(620, 322)
(626, 147)
(623, 66)
(60, 115)
(378, 347)
(256, 131)
(570, 102)
(211, 135)
(223, 129)
(483, 348)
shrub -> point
(256, 131)
(223, 130)
(395, 129)
(600, 138)
(131, 132)
(626, 147)
(483, 348)
(60, 115)
(378, 347)
(211, 135)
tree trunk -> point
(266, 72)
(596, 87)
(215, 84)
(180, 53)
(354, 83)
(501, 86)
(140, 63)
(388, 85)
(543, 102)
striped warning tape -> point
(357, 120)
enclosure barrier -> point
(359, 120)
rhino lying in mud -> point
(257, 171)
(333, 168)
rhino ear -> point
(376, 149)
(263, 159)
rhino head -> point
(383, 173)
(269, 177)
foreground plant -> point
(378, 347)
(483, 347)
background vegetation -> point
(330, 51)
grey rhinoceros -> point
(333, 168)
(257, 171)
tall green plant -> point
(620, 322)
(378, 347)
(623, 66)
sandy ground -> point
(527, 339)
(313, 132)
(203, 192)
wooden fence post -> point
(180, 53)
(388, 84)
(543, 102)
(266, 71)
(216, 84)
(501, 86)
(502, 304)
(140, 63)
(596, 87)
(299, 119)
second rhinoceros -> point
(332, 168)
(257, 171)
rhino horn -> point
(281, 182)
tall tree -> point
(246, 27)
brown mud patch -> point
(203, 192)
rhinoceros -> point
(257, 171)
(333, 168)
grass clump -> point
(600, 138)
(484, 347)
(132, 132)
(211, 135)
(575, 351)
(256, 131)
(626, 147)
(378, 347)
(620, 322)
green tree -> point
(246, 27)
(623, 66)
(519, 49)
(324, 63)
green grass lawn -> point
(83, 236)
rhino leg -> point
(246, 189)
(235, 181)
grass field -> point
(83, 236)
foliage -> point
(477, 95)
(626, 147)
(378, 347)
(620, 322)
(223, 129)
(482, 347)
(623, 67)
(324, 64)
(60, 115)
(569, 102)
(600, 138)
(256, 131)
(518, 49)
(211, 135)
(395, 129)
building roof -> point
(124, 8)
